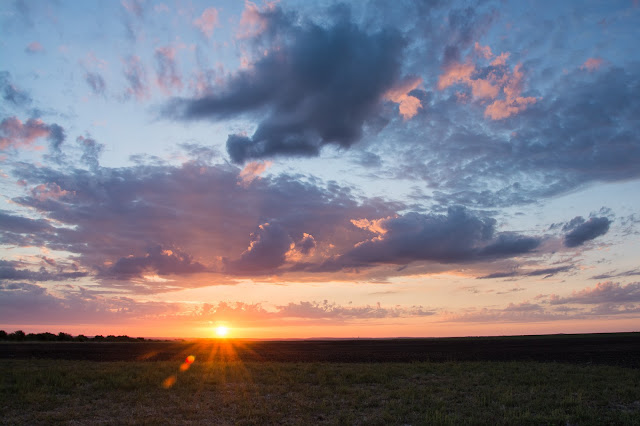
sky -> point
(302, 169)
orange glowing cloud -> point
(456, 73)
(408, 105)
(252, 21)
(514, 103)
(376, 226)
(252, 171)
(499, 80)
(592, 64)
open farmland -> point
(405, 381)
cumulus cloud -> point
(266, 252)
(458, 236)
(583, 134)
(9, 272)
(157, 260)
(334, 311)
(252, 171)
(207, 22)
(107, 214)
(91, 151)
(15, 134)
(489, 83)
(592, 64)
(120, 223)
(95, 82)
(581, 231)
(605, 292)
(313, 85)
(136, 77)
(11, 93)
(168, 76)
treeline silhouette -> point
(21, 336)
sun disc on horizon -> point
(222, 331)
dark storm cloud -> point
(316, 85)
(581, 231)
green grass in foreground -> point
(49, 392)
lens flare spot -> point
(187, 363)
(169, 381)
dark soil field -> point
(616, 349)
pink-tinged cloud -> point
(167, 75)
(504, 108)
(16, 134)
(456, 73)
(606, 293)
(500, 60)
(253, 22)
(252, 171)
(592, 64)
(484, 51)
(34, 47)
(484, 89)
(207, 22)
(514, 103)
(490, 87)
(135, 7)
(47, 191)
(136, 76)
(461, 73)
(408, 105)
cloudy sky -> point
(301, 169)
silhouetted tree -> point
(64, 337)
(47, 337)
(18, 336)
(3, 335)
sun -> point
(222, 330)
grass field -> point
(45, 391)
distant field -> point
(618, 349)
(231, 382)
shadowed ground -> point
(619, 349)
